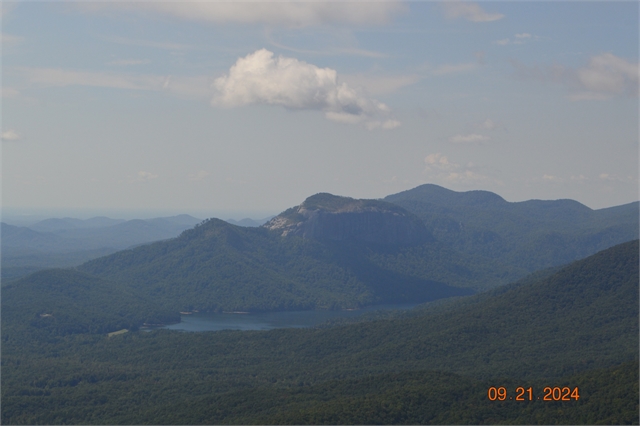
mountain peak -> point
(326, 216)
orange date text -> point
(526, 394)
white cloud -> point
(472, 138)
(199, 175)
(488, 124)
(146, 176)
(608, 73)
(11, 135)
(259, 78)
(294, 14)
(469, 11)
(605, 76)
(519, 39)
(440, 168)
(551, 178)
(439, 162)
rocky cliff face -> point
(328, 217)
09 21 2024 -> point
(549, 393)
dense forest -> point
(217, 266)
(575, 326)
(531, 234)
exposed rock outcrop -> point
(327, 217)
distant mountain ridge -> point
(69, 242)
(530, 234)
(56, 224)
(71, 234)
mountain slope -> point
(218, 266)
(327, 217)
(60, 302)
(577, 327)
(531, 234)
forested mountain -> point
(326, 217)
(60, 302)
(218, 266)
(250, 222)
(337, 252)
(577, 327)
(531, 234)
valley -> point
(507, 294)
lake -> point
(270, 320)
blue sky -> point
(250, 107)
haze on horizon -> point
(238, 107)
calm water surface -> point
(269, 320)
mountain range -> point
(531, 234)
(534, 294)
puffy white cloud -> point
(259, 78)
(11, 135)
(284, 13)
(523, 35)
(605, 76)
(608, 73)
(469, 11)
(472, 138)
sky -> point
(247, 108)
